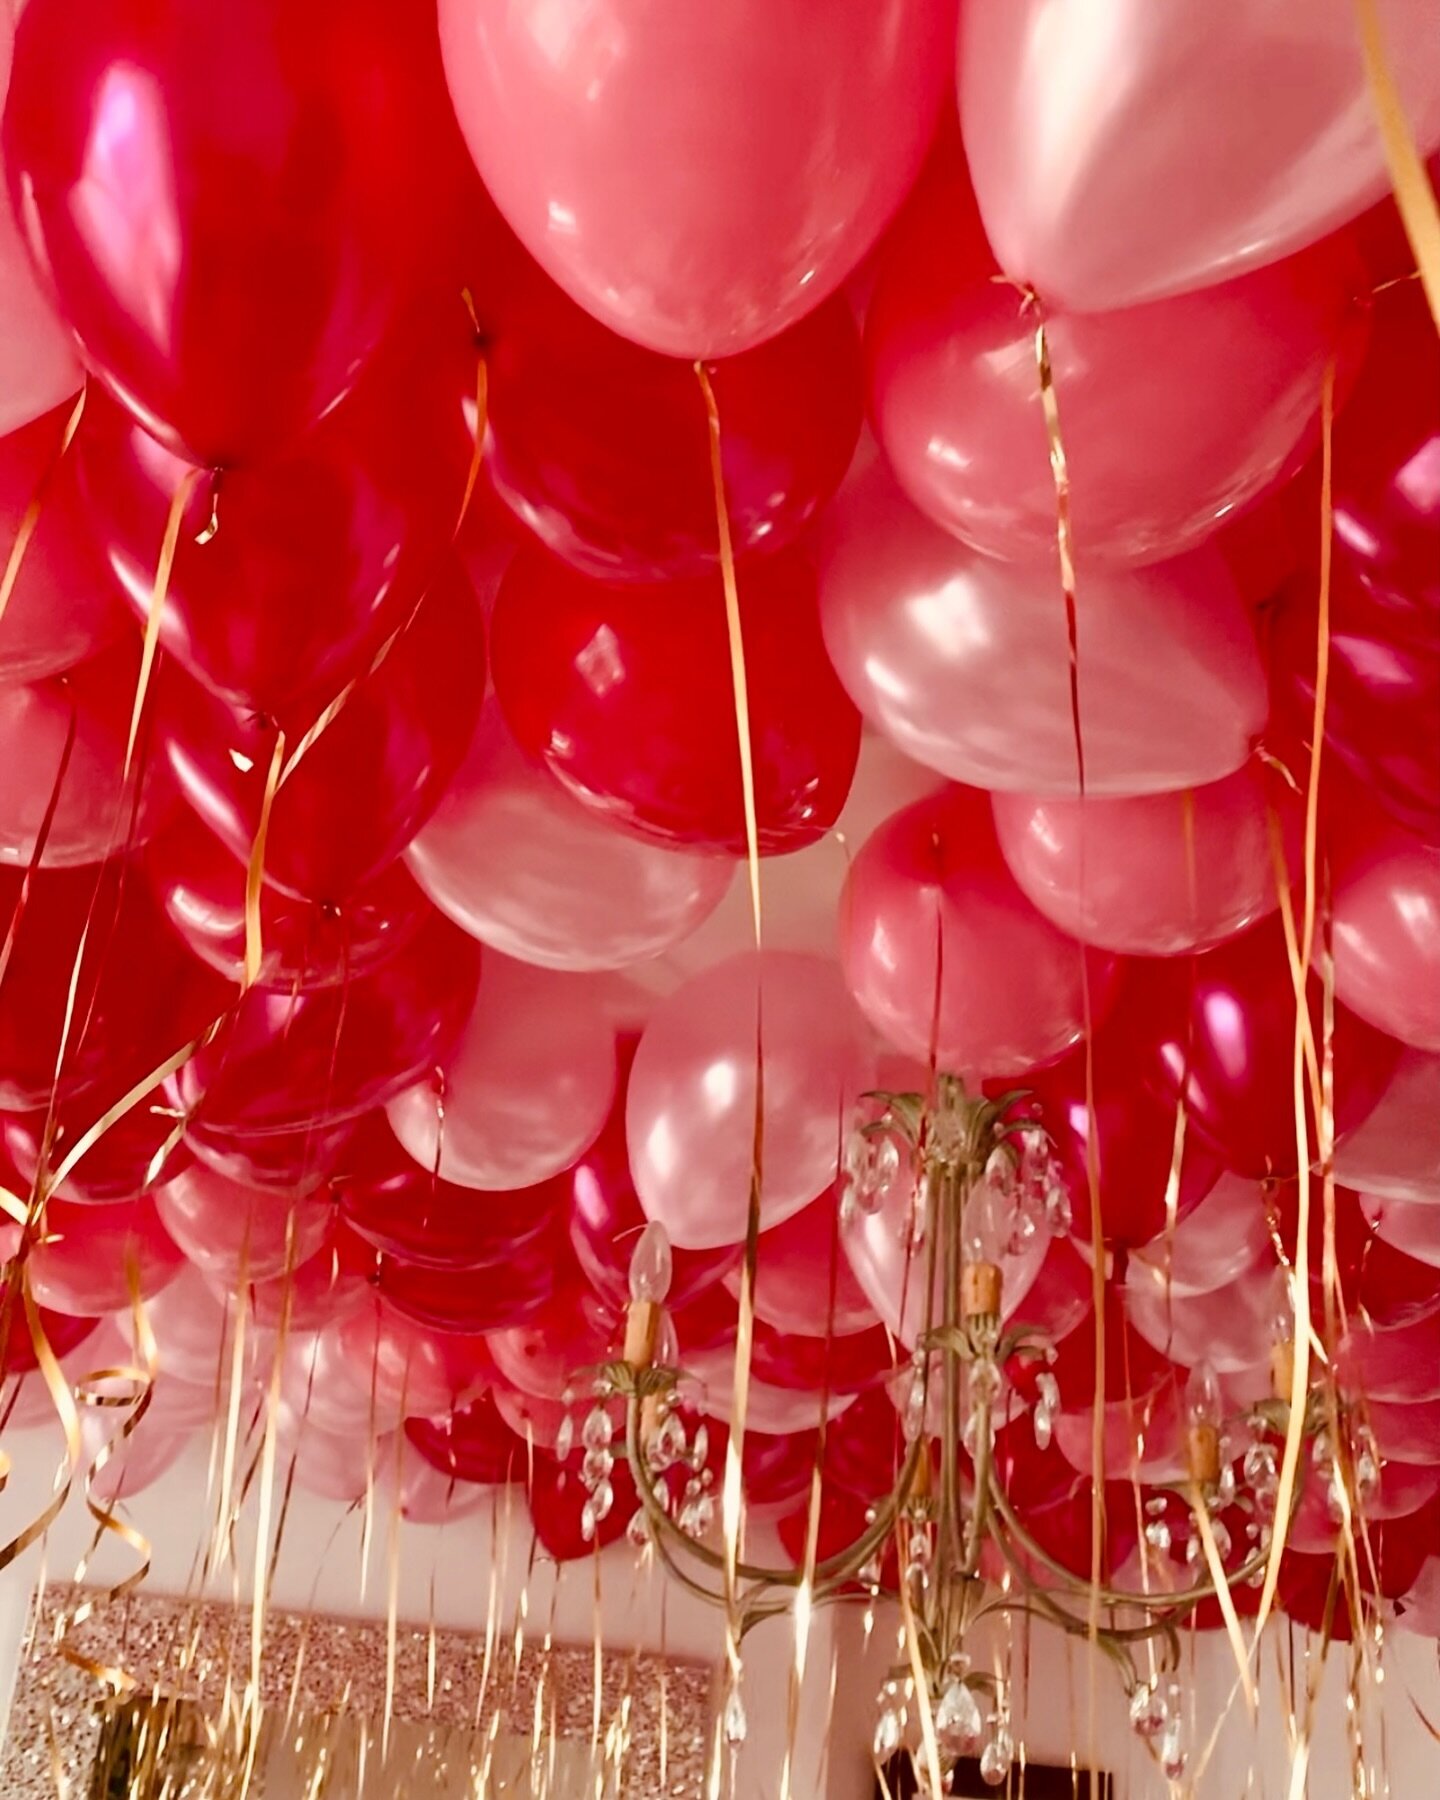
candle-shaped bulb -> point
(650, 1265)
(1202, 1395)
(984, 1232)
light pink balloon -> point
(1144, 1438)
(194, 1332)
(930, 907)
(526, 1089)
(1216, 1243)
(888, 1256)
(331, 1465)
(517, 862)
(793, 1276)
(698, 177)
(690, 1108)
(710, 1384)
(38, 365)
(410, 1369)
(536, 1420)
(87, 1264)
(232, 1232)
(964, 662)
(1130, 150)
(1229, 1327)
(324, 1386)
(1400, 1364)
(1173, 416)
(1387, 939)
(1395, 1152)
(1411, 1226)
(1156, 875)
(136, 1462)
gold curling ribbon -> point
(482, 411)
(732, 1491)
(164, 567)
(64, 1403)
(1065, 552)
(255, 872)
(1414, 196)
(1300, 959)
(31, 516)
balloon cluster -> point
(375, 962)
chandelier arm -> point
(843, 1566)
(1176, 1601)
(948, 1202)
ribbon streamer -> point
(1414, 196)
(31, 516)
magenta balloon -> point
(233, 1232)
(696, 179)
(521, 865)
(930, 908)
(768, 1408)
(1386, 938)
(964, 662)
(1175, 154)
(526, 1087)
(1155, 875)
(1395, 1153)
(1172, 415)
(690, 1113)
(1231, 1326)
(793, 1276)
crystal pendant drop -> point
(596, 1466)
(996, 1757)
(958, 1724)
(602, 1500)
(1172, 1748)
(871, 1163)
(1148, 1712)
(638, 1529)
(889, 1722)
(565, 1438)
(736, 1724)
(597, 1430)
(588, 1520)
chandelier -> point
(985, 1181)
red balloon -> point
(473, 1444)
(603, 448)
(473, 1301)
(133, 1004)
(285, 1061)
(803, 1281)
(1386, 472)
(589, 675)
(62, 607)
(320, 550)
(1062, 1295)
(1377, 1281)
(122, 1165)
(62, 745)
(412, 1216)
(226, 204)
(62, 1332)
(557, 1503)
(843, 1517)
(324, 1290)
(777, 1468)
(1132, 1130)
(369, 782)
(1064, 1530)
(287, 1161)
(606, 1217)
(1222, 1031)
(90, 1254)
(1133, 1370)
(864, 1447)
(1382, 711)
(843, 1365)
(1395, 1363)
(305, 944)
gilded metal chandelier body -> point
(984, 1182)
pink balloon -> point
(1401, 1363)
(1062, 1294)
(930, 906)
(63, 738)
(550, 1354)
(690, 1113)
(521, 865)
(536, 1421)
(418, 1491)
(1387, 938)
(1144, 1437)
(233, 1232)
(323, 1388)
(331, 1465)
(194, 1332)
(327, 1286)
(136, 1462)
(38, 366)
(526, 1088)
(1395, 1152)
(964, 662)
(1216, 1242)
(1410, 1226)
(1408, 1431)
(793, 1276)
(420, 1372)
(84, 1264)
(1174, 154)
(1231, 1326)
(888, 1255)
(616, 142)
(710, 1375)
(1155, 875)
(1173, 415)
